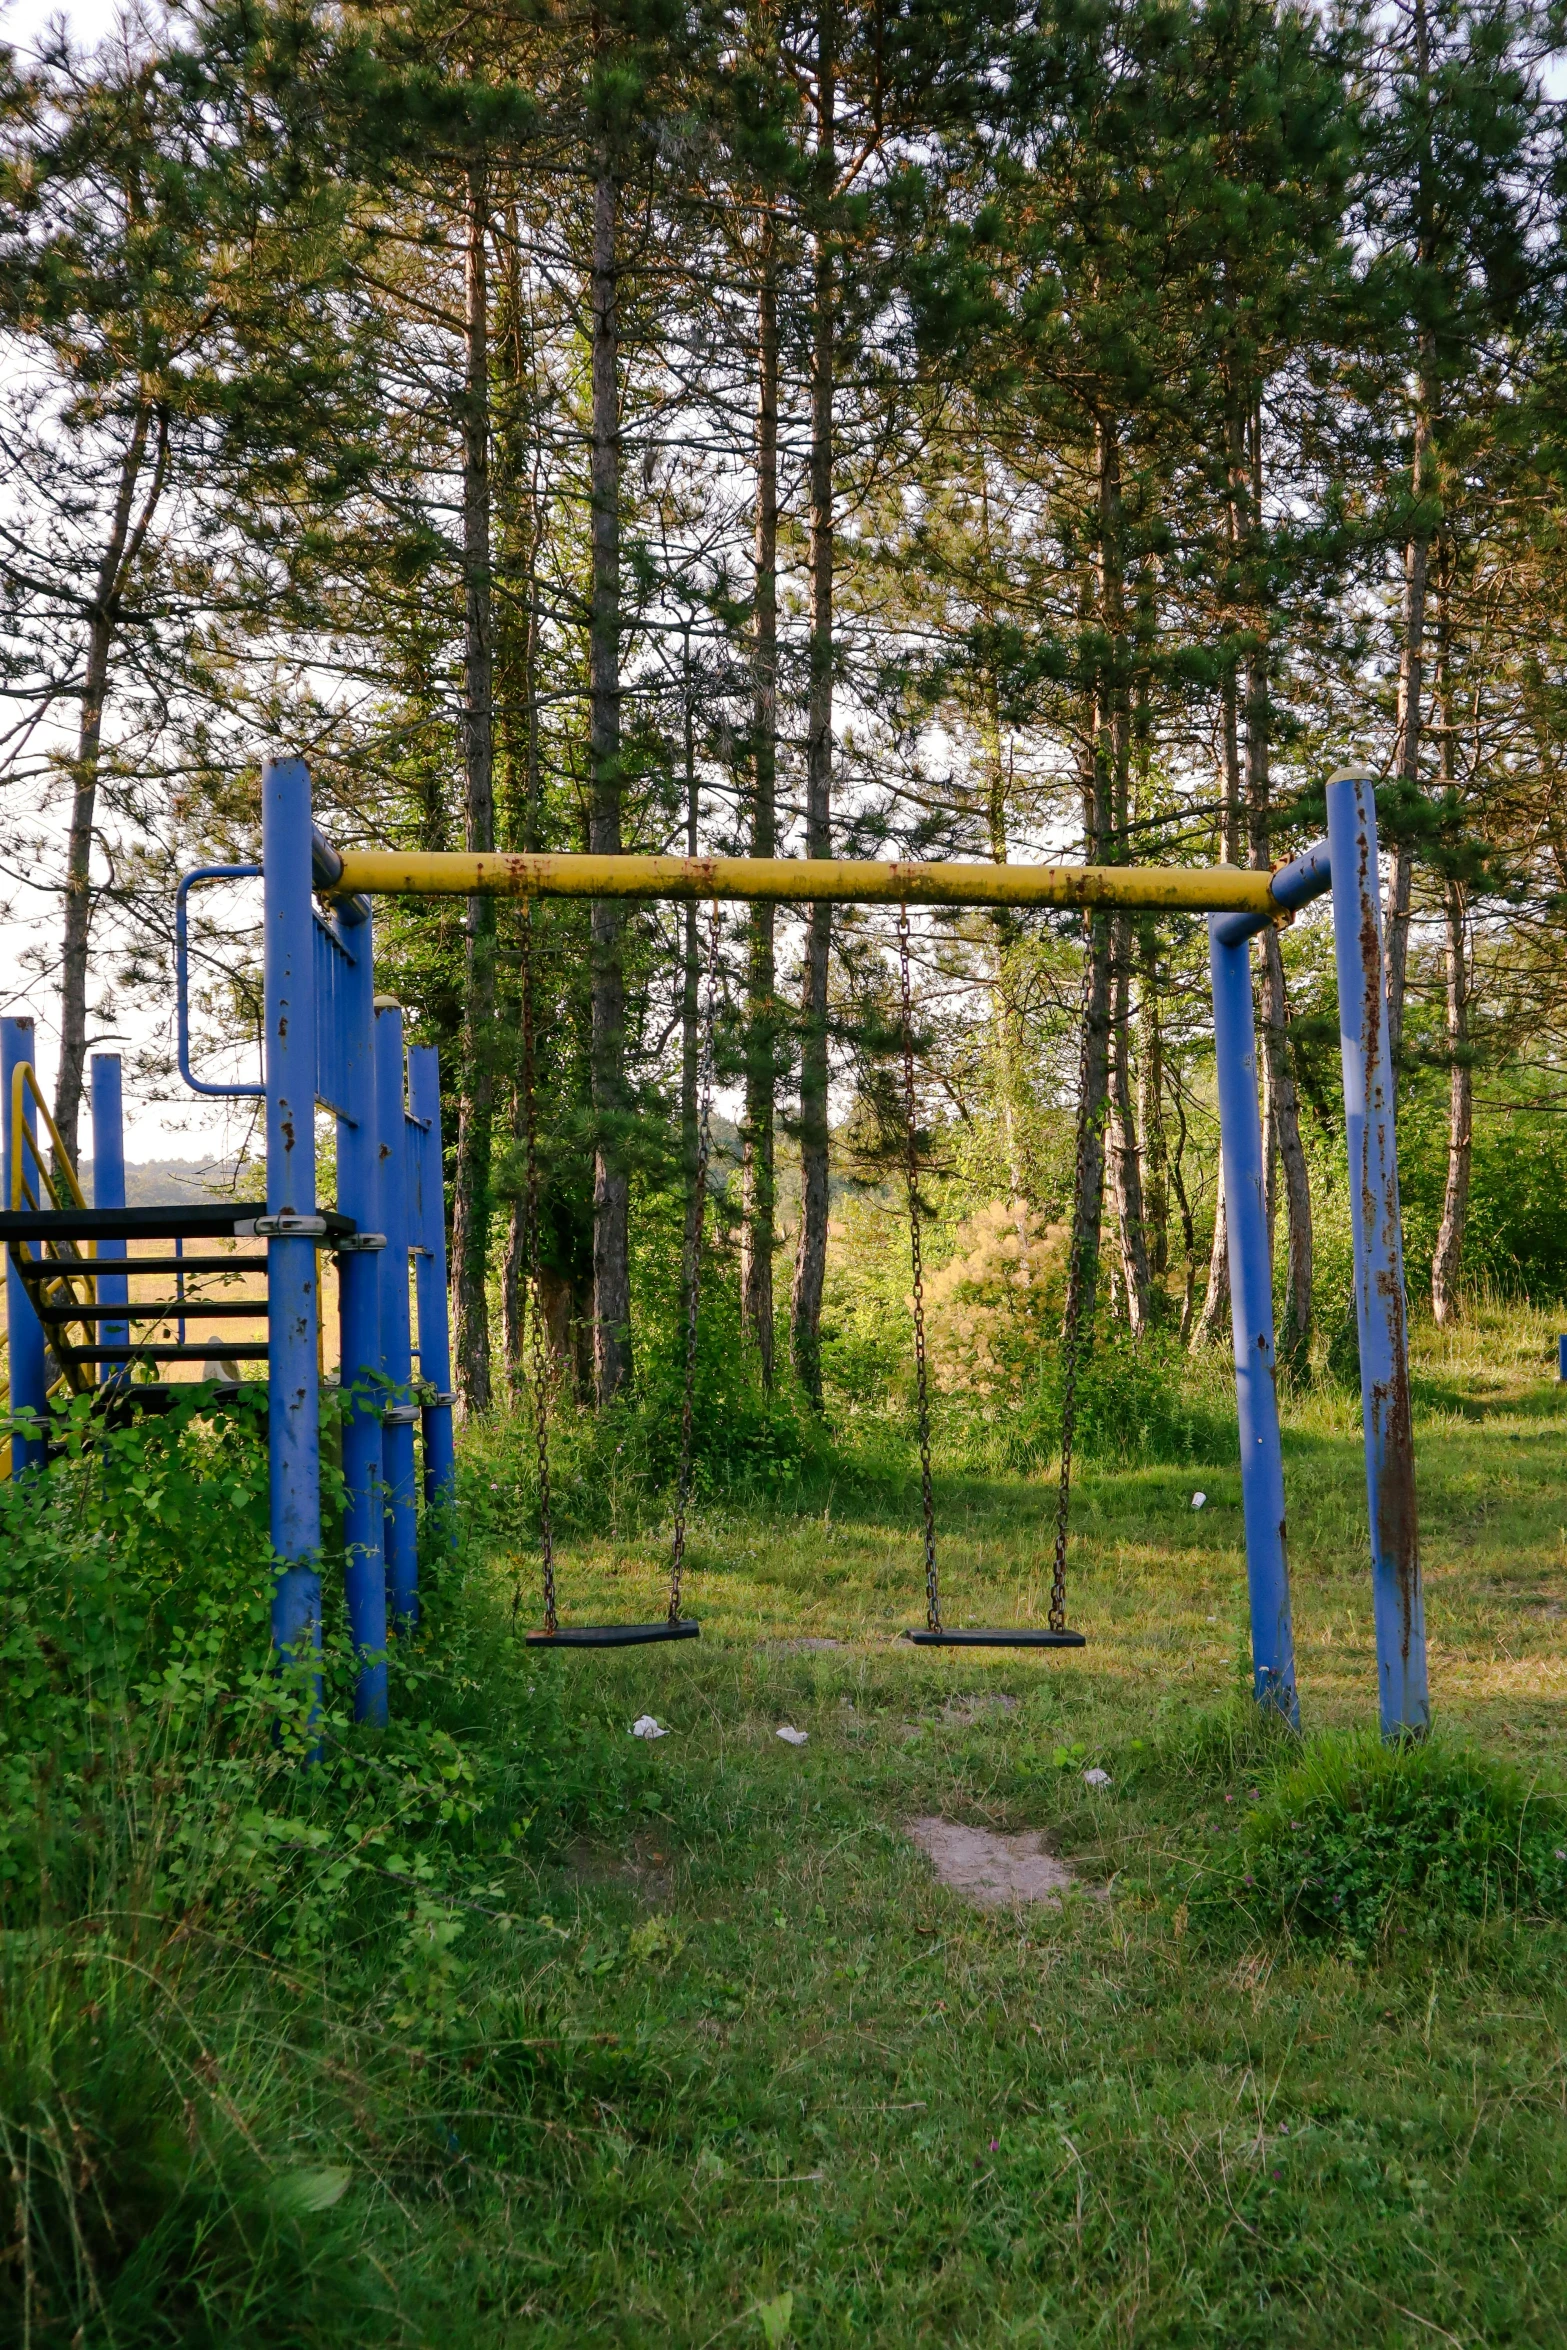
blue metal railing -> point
(188, 882)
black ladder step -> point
(82, 1357)
(118, 1404)
(220, 1221)
(180, 1309)
(112, 1265)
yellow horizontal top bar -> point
(1217, 889)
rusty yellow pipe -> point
(1217, 889)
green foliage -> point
(146, 2211)
(1365, 1843)
(150, 1754)
(1515, 1235)
(1137, 1400)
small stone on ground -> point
(990, 1870)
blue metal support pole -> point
(108, 1191)
(1251, 1313)
(1381, 1311)
(359, 1320)
(435, 1346)
(293, 1293)
(401, 1530)
(29, 1368)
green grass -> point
(736, 2044)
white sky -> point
(188, 1129)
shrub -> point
(1359, 1842)
(1137, 1400)
(995, 1307)
(146, 2211)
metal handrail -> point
(182, 979)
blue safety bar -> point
(335, 1001)
(188, 882)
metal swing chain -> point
(538, 1345)
(693, 1266)
(921, 1380)
(1072, 1320)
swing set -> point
(329, 1040)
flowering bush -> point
(996, 1306)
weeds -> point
(1364, 1844)
(505, 2027)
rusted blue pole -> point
(429, 1227)
(29, 1368)
(291, 1224)
(108, 1191)
(1251, 1316)
(1251, 1280)
(400, 1413)
(1381, 1310)
(359, 1317)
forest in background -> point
(919, 427)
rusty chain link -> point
(1072, 1319)
(538, 1338)
(921, 1378)
(693, 1265)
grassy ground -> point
(830, 2080)
(736, 2068)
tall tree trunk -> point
(517, 507)
(1410, 680)
(1416, 561)
(1211, 1322)
(122, 549)
(1113, 738)
(758, 1175)
(1150, 1105)
(1009, 1042)
(611, 1180)
(690, 984)
(810, 1263)
(476, 1115)
(1088, 1199)
(1447, 1261)
(1003, 928)
(1283, 1100)
(1125, 1151)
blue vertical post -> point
(29, 1371)
(294, 1436)
(435, 1346)
(359, 1320)
(108, 1191)
(1381, 1312)
(401, 1529)
(1251, 1315)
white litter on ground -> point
(645, 1727)
(1096, 1778)
(1198, 1499)
(993, 1871)
(790, 1735)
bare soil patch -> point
(994, 1871)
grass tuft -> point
(1368, 1844)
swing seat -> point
(615, 1635)
(1016, 1637)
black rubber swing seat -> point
(1016, 1637)
(615, 1635)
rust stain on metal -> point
(1389, 1397)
